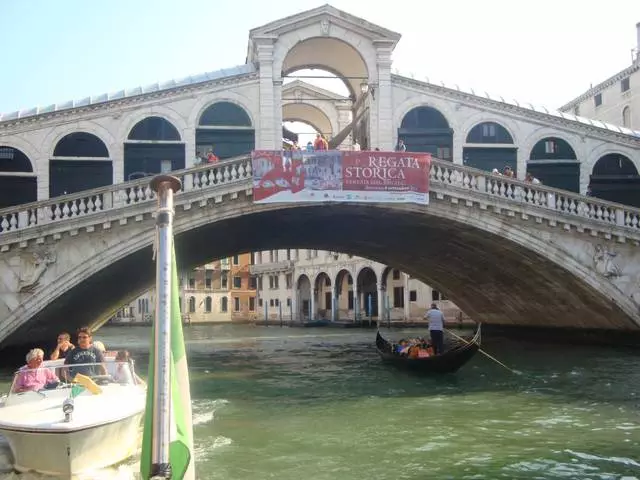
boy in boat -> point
(63, 348)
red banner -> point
(371, 177)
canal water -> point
(318, 404)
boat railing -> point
(54, 375)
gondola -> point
(457, 353)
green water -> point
(318, 404)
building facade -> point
(61, 149)
(306, 285)
(220, 291)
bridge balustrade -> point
(444, 176)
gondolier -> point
(436, 328)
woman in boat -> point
(124, 369)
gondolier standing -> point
(436, 328)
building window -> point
(398, 297)
(277, 302)
(224, 304)
(271, 302)
(253, 282)
(273, 281)
(207, 304)
(259, 283)
(236, 259)
(413, 296)
(252, 304)
(288, 254)
(624, 84)
(208, 279)
(236, 304)
(444, 153)
(237, 282)
(598, 99)
(192, 283)
(223, 280)
(259, 302)
(270, 282)
(626, 117)
(350, 300)
(396, 274)
(192, 304)
(550, 147)
(288, 302)
(488, 130)
(289, 280)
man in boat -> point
(63, 348)
(33, 376)
(436, 328)
(85, 353)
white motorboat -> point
(68, 429)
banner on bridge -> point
(290, 176)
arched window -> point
(18, 183)
(425, 129)
(224, 114)
(192, 304)
(207, 305)
(626, 117)
(154, 129)
(224, 304)
(224, 129)
(81, 144)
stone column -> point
(312, 303)
(189, 137)
(382, 133)
(334, 303)
(457, 151)
(42, 180)
(356, 301)
(407, 304)
(277, 110)
(521, 164)
(117, 160)
(381, 310)
(265, 131)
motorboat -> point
(87, 420)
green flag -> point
(181, 444)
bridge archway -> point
(80, 161)
(153, 146)
(368, 292)
(344, 292)
(324, 296)
(225, 128)
(303, 284)
(554, 162)
(311, 115)
(18, 181)
(426, 129)
(489, 145)
(614, 177)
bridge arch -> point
(153, 145)
(461, 254)
(343, 284)
(80, 161)
(224, 128)
(554, 161)
(18, 181)
(490, 145)
(304, 292)
(307, 112)
(323, 289)
(367, 285)
(615, 178)
(426, 126)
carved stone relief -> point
(32, 268)
(325, 26)
(604, 262)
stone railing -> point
(90, 202)
(443, 176)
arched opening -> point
(18, 182)
(192, 304)
(306, 121)
(303, 285)
(153, 146)
(323, 296)
(344, 294)
(425, 129)
(489, 145)
(80, 161)
(208, 303)
(554, 162)
(615, 178)
(224, 305)
(319, 59)
(626, 117)
(368, 292)
(225, 129)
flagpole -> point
(164, 186)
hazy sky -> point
(545, 52)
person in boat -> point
(403, 347)
(436, 328)
(63, 347)
(33, 376)
(123, 375)
(85, 353)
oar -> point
(486, 354)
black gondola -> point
(450, 361)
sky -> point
(543, 52)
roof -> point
(302, 85)
(528, 107)
(603, 85)
(132, 92)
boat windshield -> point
(54, 374)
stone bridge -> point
(507, 252)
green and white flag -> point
(181, 443)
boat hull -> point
(74, 452)
(449, 362)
